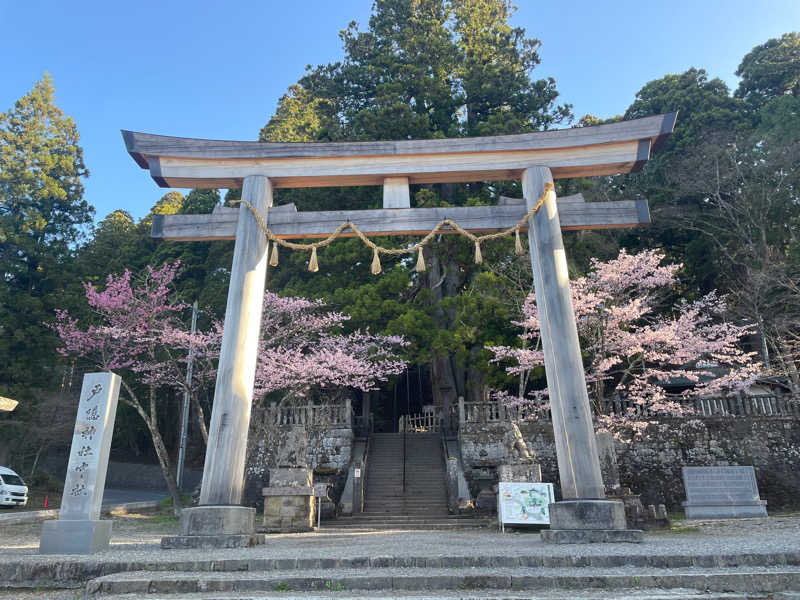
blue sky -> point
(216, 69)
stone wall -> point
(651, 466)
(326, 450)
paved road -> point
(118, 496)
(111, 497)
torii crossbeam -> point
(535, 158)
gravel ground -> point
(137, 537)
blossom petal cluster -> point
(636, 340)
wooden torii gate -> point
(259, 168)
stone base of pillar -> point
(215, 527)
(592, 536)
(588, 521)
(198, 542)
(74, 537)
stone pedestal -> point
(289, 505)
(588, 521)
(74, 537)
(525, 473)
(215, 527)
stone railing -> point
(428, 421)
(739, 406)
(481, 412)
(333, 415)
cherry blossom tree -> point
(139, 333)
(635, 340)
(302, 351)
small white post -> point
(185, 408)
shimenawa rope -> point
(377, 250)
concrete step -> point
(622, 594)
(400, 515)
(465, 580)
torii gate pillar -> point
(220, 521)
(583, 515)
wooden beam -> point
(396, 193)
(583, 151)
(287, 223)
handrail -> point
(428, 421)
(404, 461)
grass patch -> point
(164, 519)
(675, 531)
(186, 500)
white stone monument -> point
(78, 529)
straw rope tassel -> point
(273, 261)
(376, 262)
(313, 266)
(420, 261)
(518, 244)
(478, 255)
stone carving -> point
(78, 529)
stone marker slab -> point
(78, 529)
(722, 493)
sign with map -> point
(524, 503)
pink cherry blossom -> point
(635, 343)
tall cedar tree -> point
(42, 218)
(422, 69)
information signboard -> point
(524, 503)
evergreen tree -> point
(422, 69)
(43, 218)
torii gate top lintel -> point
(608, 149)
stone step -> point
(622, 594)
(401, 515)
(748, 580)
(395, 506)
(410, 501)
(443, 526)
(421, 503)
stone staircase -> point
(419, 504)
(765, 576)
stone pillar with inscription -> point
(78, 529)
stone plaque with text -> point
(722, 493)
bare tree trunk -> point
(151, 421)
(201, 418)
(36, 458)
(444, 386)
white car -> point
(13, 491)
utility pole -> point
(185, 411)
